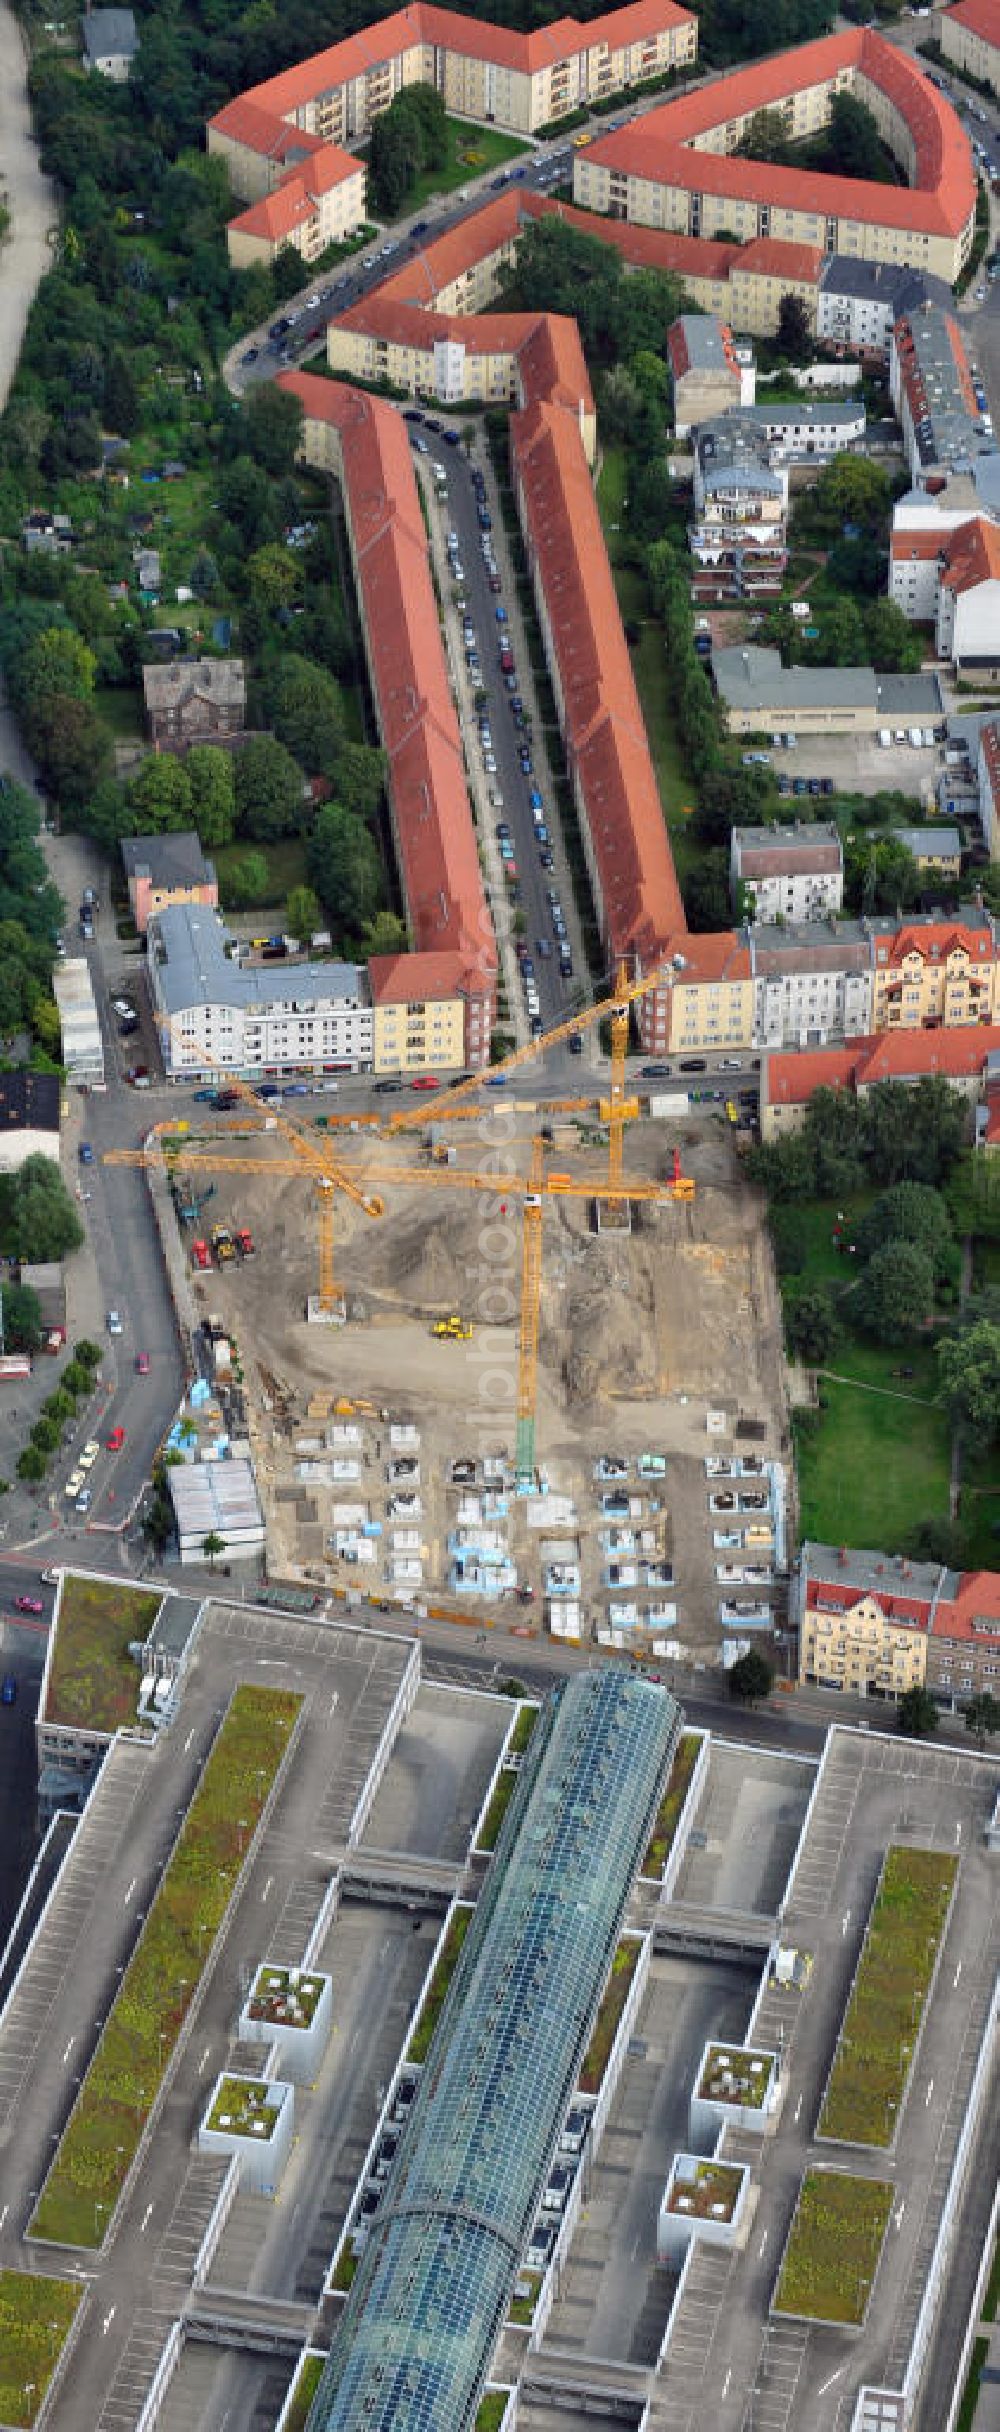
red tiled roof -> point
(329, 167)
(894, 1055)
(974, 1613)
(262, 130)
(713, 955)
(972, 553)
(905, 543)
(976, 17)
(422, 26)
(546, 346)
(659, 145)
(933, 941)
(776, 257)
(435, 836)
(278, 214)
(605, 738)
(398, 979)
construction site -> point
(506, 1348)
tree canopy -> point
(37, 1218)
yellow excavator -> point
(452, 1330)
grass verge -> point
(105, 2126)
(867, 2082)
(833, 2248)
(669, 1811)
(448, 1958)
(606, 2024)
(491, 2411)
(489, 1832)
(36, 2317)
(94, 1683)
(970, 2395)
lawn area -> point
(105, 2126)
(876, 1467)
(305, 2387)
(450, 1953)
(833, 2247)
(471, 150)
(613, 1998)
(867, 2083)
(648, 658)
(491, 2411)
(669, 1811)
(94, 1683)
(36, 2316)
(286, 863)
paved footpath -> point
(30, 198)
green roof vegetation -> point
(669, 1811)
(345, 2267)
(491, 2411)
(36, 2316)
(833, 2247)
(516, 1745)
(304, 2390)
(448, 1958)
(867, 2082)
(243, 2106)
(709, 2192)
(489, 1830)
(734, 2074)
(94, 1682)
(106, 2123)
(522, 2306)
(613, 1999)
(282, 2003)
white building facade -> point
(215, 1015)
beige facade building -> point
(875, 1625)
(970, 35)
(678, 168)
(419, 1013)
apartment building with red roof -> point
(486, 73)
(875, 1625)
(677, 167)
(789, 1079)
(299, 190)
(969, 35)
(480, 358)
(364, 443)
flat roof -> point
(188, 951)
(92, 1682)
(414, 2344)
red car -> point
(142, 1363)
(425, 1080)
(116, 1439)
(28, 1604)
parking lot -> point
(857, 764)
(438, 1774)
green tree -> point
(122, 404)
(910, 1211)
(969, 1369)
(982, 1716)
(204, 574)
(161, 794)
(211, 778)
(45, 1436)
(852, 489)
(345, 868)
(751, 1678)
(302, 913)
(246, 499)
(894, 1297)
(212, 1546)
(391, 166)
(22, 1318)
(386, 934)
(37, 1218)
(767, 138)
(269, 796)
(272, 421)
(248, 882)
(274, 577)
(58, 661)
(812, 1326)
(916, 1134)
(88, 1353)
(306, 710)
(795, 336)
(31, 1465)
(916, 1714)
(71, 745)
(894, 645)
(360, 778)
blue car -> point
(8, 1690)
(204, 1097)
(86, 1153)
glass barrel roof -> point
(415, 2340)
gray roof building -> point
(110, 41)
(757, 689)
(892, 284)
(413, 2346)
(188, 948)
(805, 845)
(167, 861)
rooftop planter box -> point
(505, 1779)
(878, 2039)
(37, 2315)
(251, 2119)
(492, 2411)
(106, 2124)
(832, 2253)
(735, 2084)
(671, 1806)
(703, 2199)
(292, 2010)
(433, 2000)
(93, 1682)
(613, 2000)
(526, 2292)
